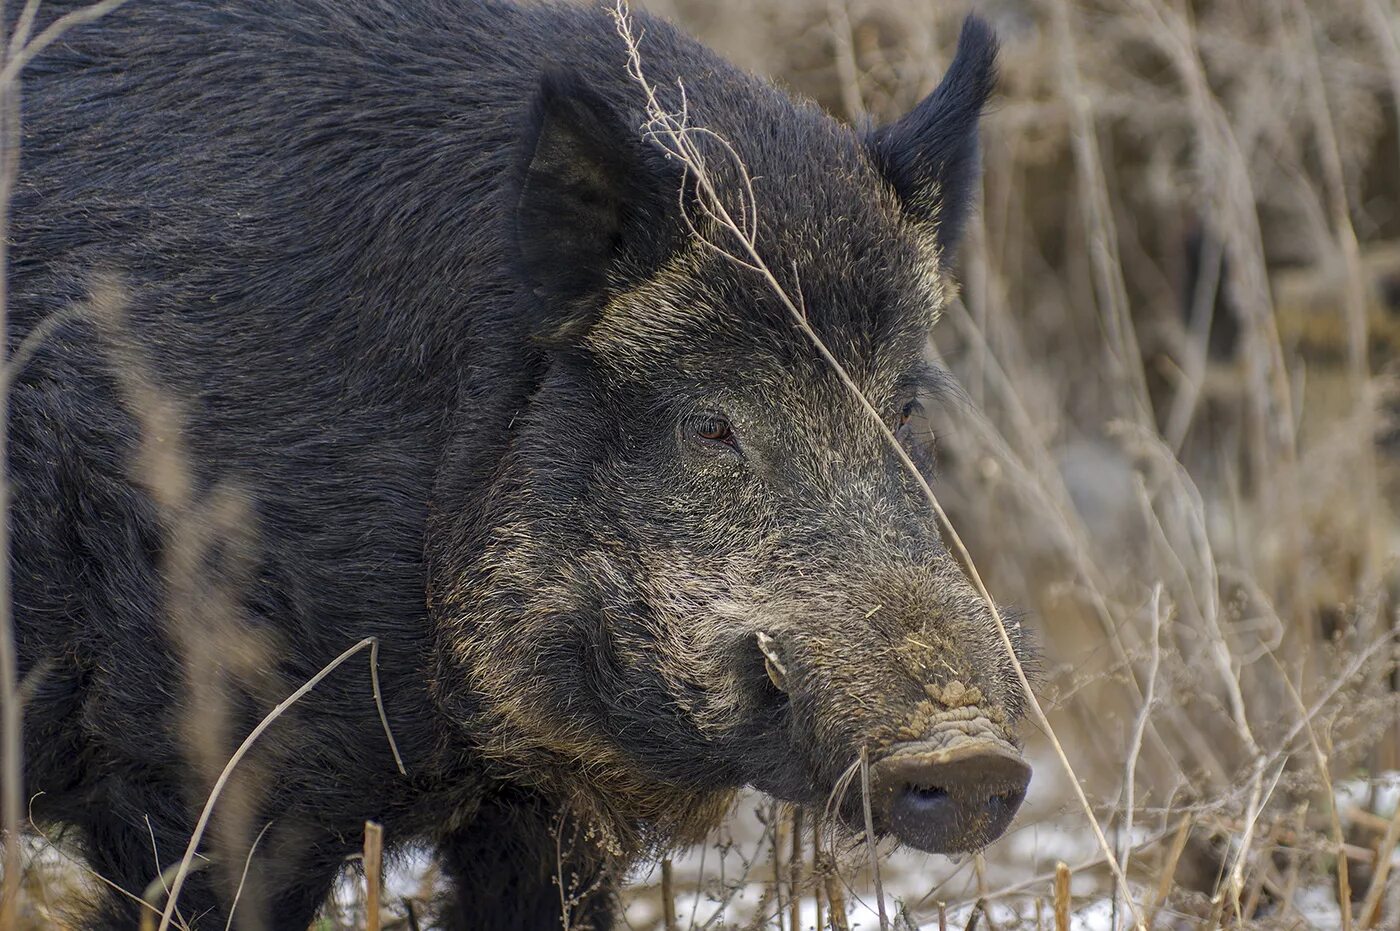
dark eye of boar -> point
(712, 428)
(917, 440)
(906, 414)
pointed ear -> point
(931, 156)
(586, 190)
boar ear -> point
(586, 191)
(931, 155)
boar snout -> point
(949, 798)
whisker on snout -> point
(838, 793)
(831, 821)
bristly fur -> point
(931, 155)
(591, 199)
(426, 292)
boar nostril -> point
(927, 794)
(951, 799)
(930, 801)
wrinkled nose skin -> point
(949, 797)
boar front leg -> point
(508, 863)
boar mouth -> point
(944, 794)
(953, 784)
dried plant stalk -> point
(795, 873)
(668, 896)
(374, 872)
(15, 53)
(1062, 896)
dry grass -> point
(1180, 356)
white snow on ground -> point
(1379, 795)
(1049, 829)
(1317, 904)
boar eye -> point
(712, 428)
(907, 412)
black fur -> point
(931, 155)
(589, 200)
(362, 259)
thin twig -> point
(247, 862)
(88, 871)
(159, 888)
(379, 704)
(870, 838)
(1167, 876)
(238, 755)
(1371, 907)
(1140, 728)
(1324, 771)
(55, 30)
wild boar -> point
(429, 296)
